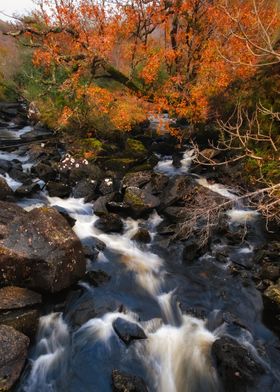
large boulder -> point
(140, 201)
(235, 364)
(14, 347)
(39, 250)
(58, 189)
(86, 189)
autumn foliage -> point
(176, 55)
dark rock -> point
(157, 184)
(128, 331)
(120, 164)
(8, 211)
(135, 148)
(109, 223)
(44, 172)
(5, 165)
(138, 179)
(71, 221)
(58, 189)
(163, 148)
(5, 191)
(14, 347)
(36, 134)
(20, 176)
(118, 207)
(97, 278)
(100, 205)
(124, 382)
(270, 271)
(85, 189)
(23, 320)
(90, 171)
(106, 186)
(92, 246)
(142, 235)
(190, 251)
(235, 364)
(175, 214)
(27, 190)
(175, 191)
(140, 201)
(13, 297)
(41, 252)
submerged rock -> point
(235, 364)
(124, 382)
(97, 278)
(40, 251)
(14, 347)
(128, 331)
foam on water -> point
(165, 166)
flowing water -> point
(149, 286)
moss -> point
(119, 164)
(133, 199)
(135, 148)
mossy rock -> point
(136, 148)
(119, 164)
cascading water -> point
(149, 291)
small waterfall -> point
(49, 363)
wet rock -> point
(109, 223)
(175, 214)
(36, 134)
(142, 235)
(41, 252)
(273, 294)
(5, 166)
(235, 364)
(190, 251)
(140, 201)
(120, 208)
(175, 191)
(135, 148)
(13, 297)
(138, 179)
(19, 309)
(14, 347)
(27, 190)
(120, 164)
(106, 186)
(44, 172)
(8, 211)
(128, 331)
(92, 246)
(97, 278)
(19, 175)
(23, 320)
(124, 382)
(90, 171)
(157, 184)
(58, 189)
(100, 205)
(85, 189)
(5, 191)
(270, 271)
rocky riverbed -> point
(123, 273)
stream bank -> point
(164, 305)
